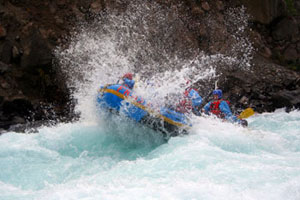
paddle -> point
(136, 80)
(246, 113)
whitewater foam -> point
(84, 161)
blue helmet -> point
(128, 83)
(218, 92)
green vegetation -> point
(280, 58)
(294, 67)
(290, 7)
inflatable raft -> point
(120, 99)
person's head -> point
(128, 76)
(128, 80)
(217, 94)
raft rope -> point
(152, 112)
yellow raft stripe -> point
(118, 94)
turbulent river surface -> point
(122, 160)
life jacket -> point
(185, 105)
(187, 91)
(215, 108)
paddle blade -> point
(246, 113)
(136, 80)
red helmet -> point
(128, 76)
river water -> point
(99, 160)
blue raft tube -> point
(118, 98)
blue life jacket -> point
(195, 97)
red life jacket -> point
(185, 105)
(215, 108)
(187, 91)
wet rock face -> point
(265, 88)
(3, 68)
(286, 98)
(28, 34)
(37, 51)
(15, 111)
(277, 23)
(17, 107)
(6, 52)
(285, 35)
(265, 11)
(285, 29)
(2, 32)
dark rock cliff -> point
(32, 90)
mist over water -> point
(153, 42)
(104, 156)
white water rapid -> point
(116, 158)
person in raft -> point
(221, 109)
(127, 80)
(190, 102)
